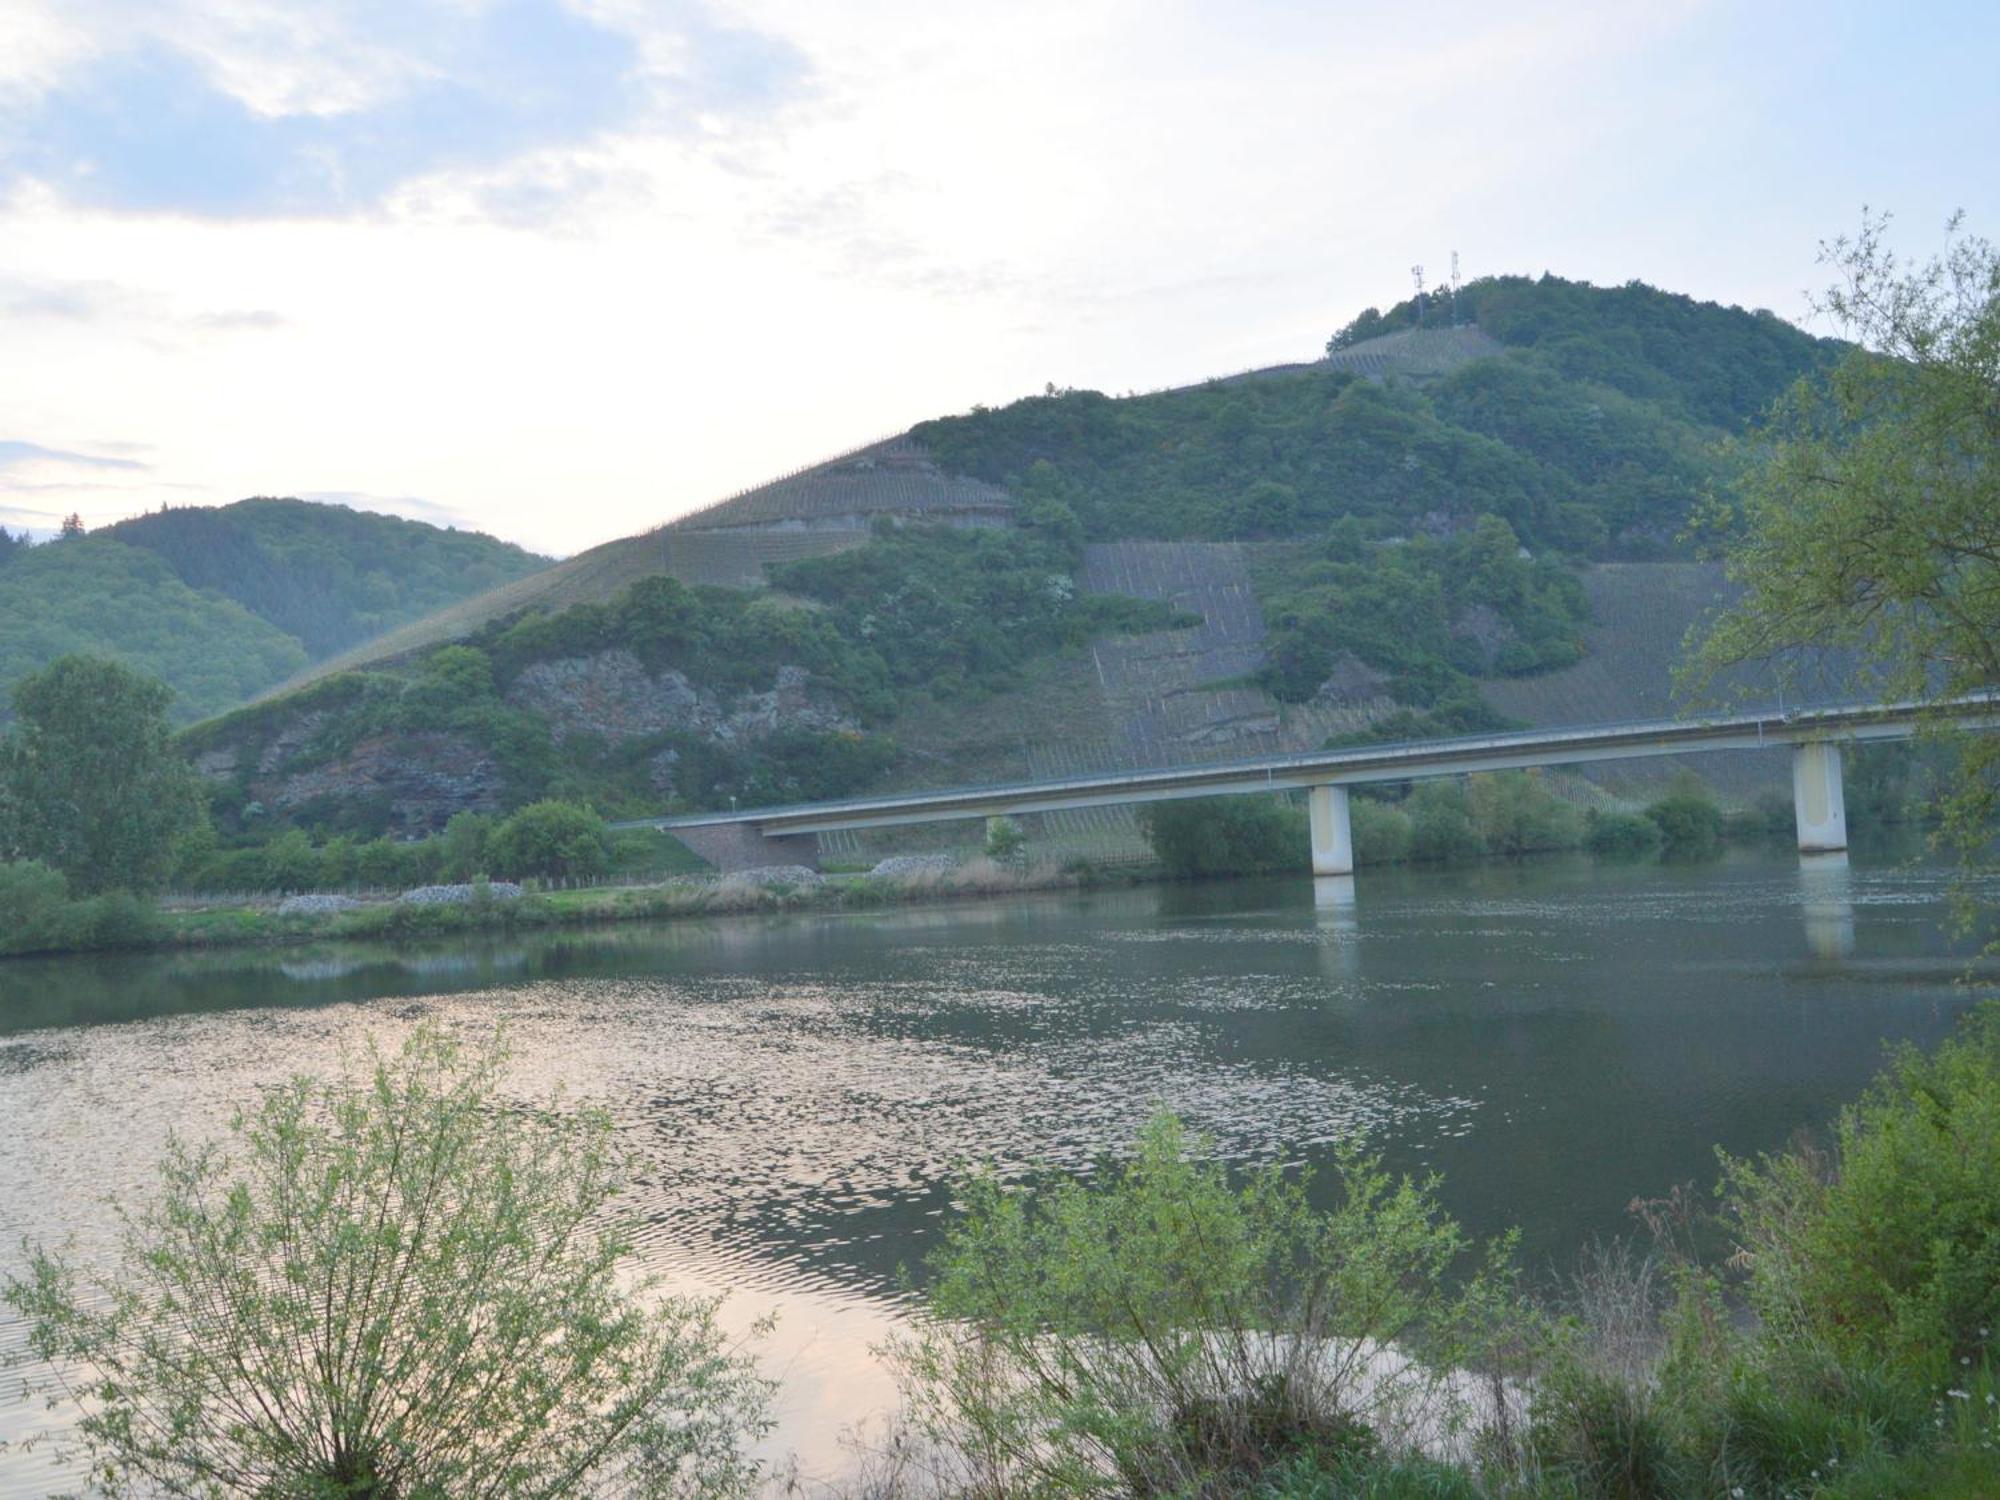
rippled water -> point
(1554, 1038)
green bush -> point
(1157, 1329)
(1382, 833)
(1690, 823)
(1609, 1439)
(1889, 1247)
(1247, 835)
(1620, 835)
(1517, 814)
(1441, 826)
(392, 1284)
(38, 916)
(551, 840)
(33, 903)
(1768, 819)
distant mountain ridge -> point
(221, 602)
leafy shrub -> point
(392, 1286)
(1382, 834)
(1005, 840)
(1690, 823)
(33, 901)
(1245, 835)
(552, 840)
(1619, 835)
(1891, 1246)
(1441, 827)
(1768, 819)
(465, 845)
(1606, 1437)
(1517, 814)
(1159, 1330)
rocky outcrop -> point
(423, 779)
(612, 696)
(1487, 631)
(1351, 683)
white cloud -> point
(828, 221)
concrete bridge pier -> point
(1818, 804)
(1332, 836)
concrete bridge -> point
(772, 835)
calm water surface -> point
(1554, 1038)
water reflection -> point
(1334, 911)
(1554, 1038)
(1827, 891)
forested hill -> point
(1589, 427)
(222, 602)
(1362, 544)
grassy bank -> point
(87, 927)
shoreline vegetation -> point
(1491, 819)
(1822, 1326)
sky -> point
(561, 270)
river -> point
(1555, 1038)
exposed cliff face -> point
(415, 779)
(422, 779)
(612, 696)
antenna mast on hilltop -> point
(1418, 273)
(1454, 289)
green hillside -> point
(1388, 536)
(1590, 430)
(223, 602)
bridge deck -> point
(1403, 761)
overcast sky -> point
(563, 269)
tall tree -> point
(1869, 517)
(90, 783)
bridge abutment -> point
(1332, 834)
(1818, 802)
(737, 846)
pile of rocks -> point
(459, 895)
(797, 875)
(315, 906)
(910, 866)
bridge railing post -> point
(1332, 834)
(1818, 801)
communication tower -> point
(1418, 273)
(1454, 289)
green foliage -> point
(950, 612)
(1458, 711)
(1516, 814)
(1590, 432)
(551, 840)
(1006, 842)
(1689, 821)
(222, 602)
(89, 781)
(1868, 516)
(1226, 836)
(100, 596)
(1720, 365)
(390, 1285)
(326, 575)
(1382, 833)
(1890, 1248)
(1620, 835)
(1428, 614)
(1158, 1329)
(464, 851)
(38, 916)
(1442, 830)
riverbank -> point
(136, 927)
